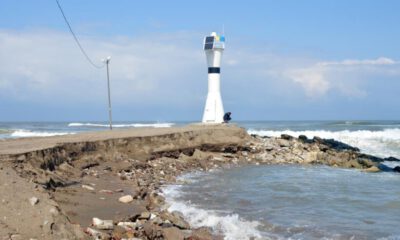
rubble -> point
(126, 199)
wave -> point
(136, 125)
(230, 225)
(384, 143)
(366, 123)
(27, 133)
(5, 131)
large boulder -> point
(172, 233)
(286, 137)
(200, 234)
(152, 231)
(176, 219)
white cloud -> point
(355, 62)
(165, 69)
(311, 79)
(47, 65)
(344, 76)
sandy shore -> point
(107, 185)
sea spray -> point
(26, 133)
(382, 143)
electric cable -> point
(76, 39)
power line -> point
(76, 39)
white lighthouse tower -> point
(214, 45)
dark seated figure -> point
(227, 117)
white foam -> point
(27, 133)
(391, 164)
(391, 237)
(154, 125)
(230, 225)
(383, 143)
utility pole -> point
(107, 61)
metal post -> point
(109, 95)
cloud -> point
(311, 79)
(365, 62)
(167, 73)
(47, 65)
(346, 76)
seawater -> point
(45, 129)
(291, 202)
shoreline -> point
(82, 176)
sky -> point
(284, 60)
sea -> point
(279, 201)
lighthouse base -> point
(214, 110)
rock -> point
(354, 164)
(96, 234)
(155, 201)
(54, 211)
(130, 225)
(126, 199)
(392, 159)
(65, 167)
(176, 219)
(106, 191)
(372, 169)
(103, 224)
(396, 169)
(333, 144)
(269, 148)
(145, 215)
(303, 138)
(157, 221)
(21, 158)
(286, 137)
(152, 231)
(33, 201)
(87, 187)
(119, 232)
(317, 139)
(283, 143)
(200, 234)
(178, 214)
(16, 237)
(172, 233)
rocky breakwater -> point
(109, 185)
(290, 150)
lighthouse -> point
(214, 46)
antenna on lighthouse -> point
(214, 46)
